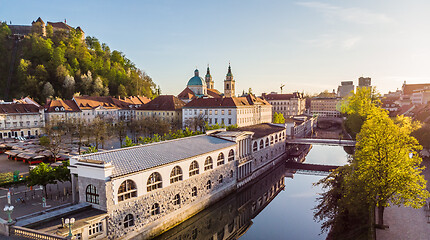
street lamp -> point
(69, 223)
(8, 210)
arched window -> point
(154, 182)
(220, 179)
(276, 138)
(208, 184)
(128, 221)
(271, 140)
(231, 155)
(208, 163)
(194, 168)
(255, 147)
(194, 191)
(127, 190)
(261, 144)
(176, 174)
(155, 209)
(220, 160)
(91, 194)
(177, 199)
(267, 142)
(231, 173)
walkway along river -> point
(276, 206)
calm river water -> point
(277, 206)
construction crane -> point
(282, 86)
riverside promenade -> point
(406, 223)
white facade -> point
(22, 124)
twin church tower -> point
(205, 88)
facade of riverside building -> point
(145, 190)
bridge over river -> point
(319, 141)
(307, 168)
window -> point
(91, 194)
(176, 174)
(271, 140)
(220, 179)
(261, 144)
(154, 182)
(276, 138)
(128, 221)
(208, 163)
(216, 112)
(78, 236)
(229, 112)
(194, 192)
(222, 112)
(208, 184)
(231, 155)
(127, 190)
(229, 121)
(255, 147)
(155, 209)
(95, 228)
(231, 173)
(216, 120)
(177, 199)
(194, 168)
(220, 160)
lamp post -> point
(69, 223)
(8, 210)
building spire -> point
(208, 79)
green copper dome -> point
(196, 80)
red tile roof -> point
(91, 102)
(408, 89)
(163, 103)
(214, 93)
(68, 105)
(227, 102)
(60, 25)
(16, 108)
(280, 96)
(186, 94)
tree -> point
(48, 90)
(120, 130)
(53, 139)
(42, 175)
(387, 163)
(62, 172)
(122, 91)
(278, 118)
(358, 106)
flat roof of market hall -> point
(143, 157)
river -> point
(277, 206)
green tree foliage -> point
(384, 171)
(42, 175)
(62, 172)
(357, 107)
(387, 163)
(54, 61)
(91, 149)
(278, 118)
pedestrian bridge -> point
(313, 169)
(330, 142)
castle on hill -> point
(40, 26)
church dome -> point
(196, 80)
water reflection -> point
(231, 217)
(289, 215)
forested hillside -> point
(62, 64)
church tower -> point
(208, 79)
(229, 84)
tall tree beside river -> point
(384, 171)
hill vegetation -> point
(63, 64)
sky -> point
(308, 46)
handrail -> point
(33, 234)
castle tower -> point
(229, 84)
(208, 79)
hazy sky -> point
(307, 45)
